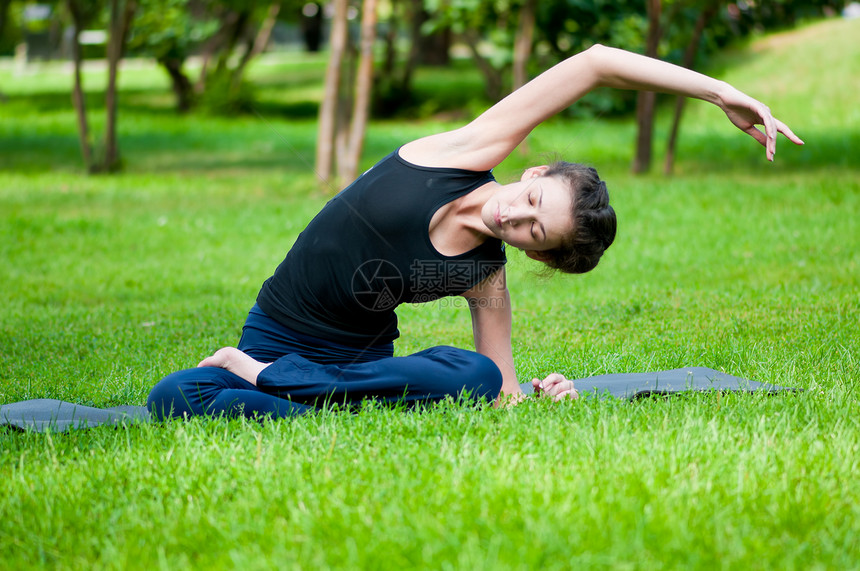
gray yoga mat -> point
(638, 385)
(41, 414)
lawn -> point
(111, 282)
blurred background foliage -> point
(221, 32)
(205, 46)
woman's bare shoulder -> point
(451, 149)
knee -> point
(470, 373)
(185, 393)
(167, 398)
(485, 380)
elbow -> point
(596, 51)
(599, 59)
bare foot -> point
(236, 362)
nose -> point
(516, 215)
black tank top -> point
(368, 250)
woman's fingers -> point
(772, 127)
(756, 134)
(770, 133)
(789, 134)
(746, 112)
(571, 394)
(555, 386)
(548, 385)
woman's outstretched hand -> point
(745, 113)
(555, 386)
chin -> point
(491, 225)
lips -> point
(497, 217)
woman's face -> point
(533, 214)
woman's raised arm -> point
(490, 138)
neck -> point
(467, 209)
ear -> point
(538, 255)
(534, 172)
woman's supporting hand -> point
(555, 386)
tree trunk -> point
(523, 44)
(78, 90)
(179, 82)
(120, 21)
(431, 49)
(329, 104)
(522, 52)
(4, 13)
(261, 40)
(689, 62)
(212, 45)
(348, 164)
(436, 47)
(646, 100)
(312, 25)
(492, 76)
(417, 16)
(390, 42)
(232, 38)
(345, 99)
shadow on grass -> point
(159, 105)
(155, 152)
(724, 153)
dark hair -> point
(594, 221)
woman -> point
(427, 221)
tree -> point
(428, 45)
(488, 28)
(232, 18)
(167, 31)
(238, 28)
(244, 26)
(345, 107)
(523, 43)
(348, 167)
(647, 100)
(228, 34)
(121, 14)
(83, 14)
(258, 45)
(4, 16)
(708, 11)
(329, 106)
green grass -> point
(111, 282)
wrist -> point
(719, 93)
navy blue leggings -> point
(307, 372)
